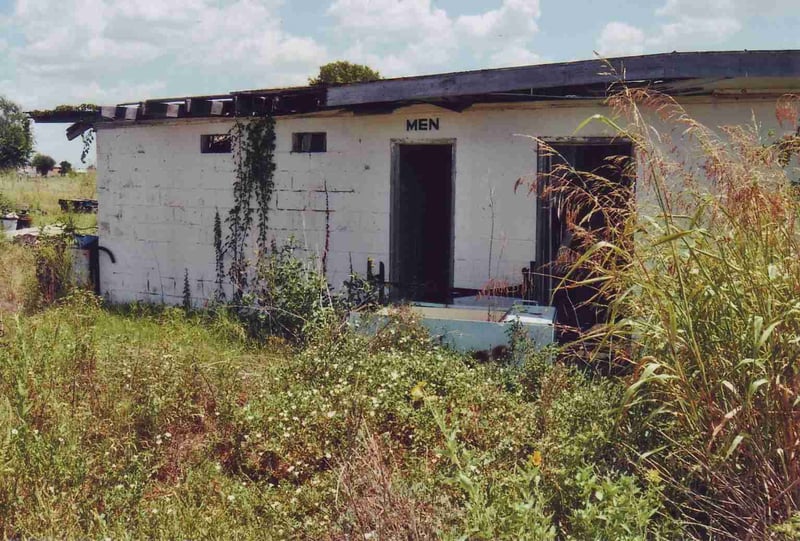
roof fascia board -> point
(670, 66)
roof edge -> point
(653, 67)
(457, 90)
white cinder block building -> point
(417, 173)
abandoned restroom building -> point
(417, 173)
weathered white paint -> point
(158, 193)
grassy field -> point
(140, 422)
(39, 196)
(146, 423)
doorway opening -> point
(604, 170)
(421, 260)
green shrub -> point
(359, 293)
(616, 507)
(505, 505)
(288, 296)
(54, 278)
(402, 331)
(579, 418)
(536, 366)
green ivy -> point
(219, 258)
(254, 152)
(187, 291)
(87, 138)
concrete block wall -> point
(158, 193)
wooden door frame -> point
(556, 141)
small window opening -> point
(217, 143)
(309, 142)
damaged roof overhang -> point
(236, 104)
(588, 74)
(678, 74)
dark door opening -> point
(578, 308)
(422, 222)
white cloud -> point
(78, 42)
(514, 55)
(377, 27)
(699, 8)
(247, 33)
(620, 39)
(688, 24)
(119, 43)
(694, 30)
(700, 22)
(503, 33)
(513, 19)
(432, 36)
(36, 91)
(390, 17)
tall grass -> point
(17, 272)
(705, 313)
(39, 196)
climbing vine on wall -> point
(219, 258)
(254, 152)
(87, 138)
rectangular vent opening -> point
(309, 142)
(216, 143)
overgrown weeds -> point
(287, 296)
(374, 502)
(150, 422)
(704, 313)
(16, 273)
(53, 278)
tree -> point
(43, 164)
(66, 168)
(16, 139)
(341, 72)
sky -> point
(108, 51)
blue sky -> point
(106, 51)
